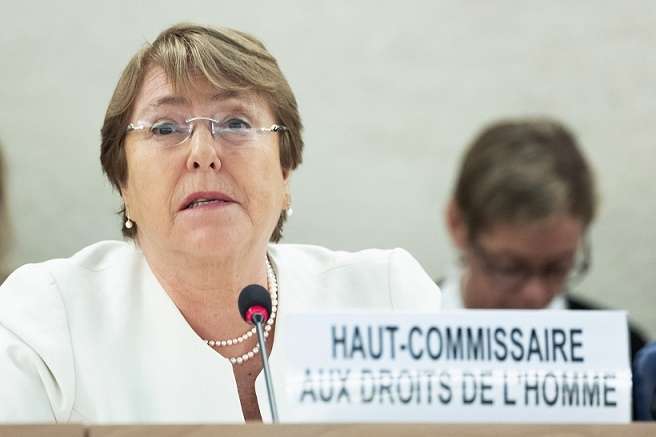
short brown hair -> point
(226, 58)
(523, 170)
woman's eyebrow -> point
(173, 100)
(237, 99)
(227, 94)
(169, 101)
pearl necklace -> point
(272, 283)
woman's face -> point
(521, 265)
(206, 196)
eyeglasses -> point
(233, 132)
(511, 275)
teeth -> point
(200, 202)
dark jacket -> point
(636, 338)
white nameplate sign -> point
(460, 366)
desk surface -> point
(351, 430)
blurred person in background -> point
(519, 216)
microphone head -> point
(254, 299)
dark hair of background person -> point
(523, 170)
(228, 59)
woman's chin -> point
(213, 241)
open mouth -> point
(200, 200)
(203, 202)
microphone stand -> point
(258, 319)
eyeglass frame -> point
(580, 266)
(212, 127)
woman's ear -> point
(126, 201)
(456, 225)
(124, 197)
(286, 176)
(286, 173)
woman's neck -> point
(206, 290)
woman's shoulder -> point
(35, 282)
(95, 257)
(38, 302)
(324, 259)
(99, 256)
(373, 277)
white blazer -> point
(94, 338)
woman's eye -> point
(164, 128)
(236, 124)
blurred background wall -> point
(390, 93)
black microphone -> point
(254, 305)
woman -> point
(200, 139)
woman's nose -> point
(203, 154)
